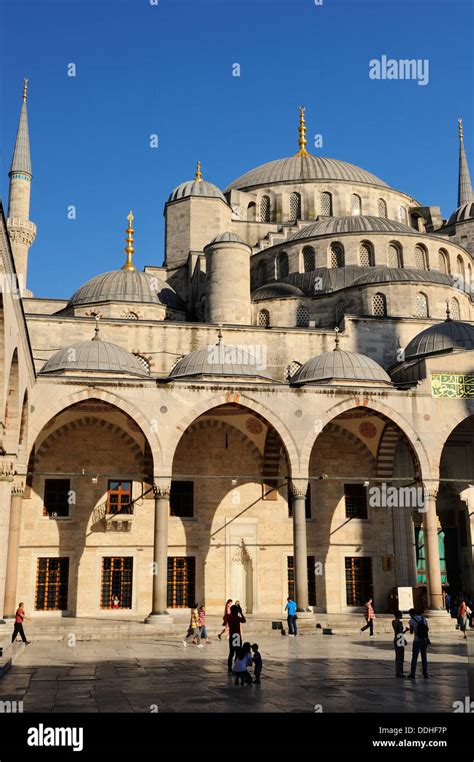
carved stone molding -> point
(299, 487)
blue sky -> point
(167, 69)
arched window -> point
(295, 206)
(265, 209)
(261, 273)
(381, 208)
(282, 266)
(302, 316)
(251, 211)
(460, 268)
(263, 318)
(309, 259)
(379, 305)
(402, 214)
(420, 258)
(366, 256)
(421, 307)
(341, 308)
(131, 316)
(326, 204)
(291, 369)
(356, 204)
(454, 309)
(394, 258)
(443, 261)
(336, 252)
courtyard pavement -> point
(305, 674)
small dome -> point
(94, 356)
(462, 213)
(303, 169)
(276, 291)
(442, 337)
(196, 188)
(227, 236)
(338, 365)
(219, 360)
(351, 224)
(126, 286)
(399, 275)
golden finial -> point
(302, 133)
(129, 247)
(460, 127)
(25, 90)
(198, 175)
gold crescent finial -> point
(25, 89)
(198, 175)
(302, 135)
(129, 247)
(460, 127)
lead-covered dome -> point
(351, 224)
(462, 213)
(220, 360)
(196, 188)
(94, 356)
(303, 169)
(126, 286)
(339, 365)
(443, 337)
(276, 291)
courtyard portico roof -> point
(442, 337)
(220, 360)
(339, 365)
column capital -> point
(7, 470)
(162, 487)
(18, 488)
(299, 487)
(431, 489)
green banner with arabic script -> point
(454, 385)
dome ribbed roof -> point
(301, 169)
(126, 286)
(196, 188)
(351, 224)
(462, 213)
(94, 356)
(219, 360)
(396, 275)
(442, 337)
(227, 236)
(275, 291)
(339, 365)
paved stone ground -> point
(341, 673)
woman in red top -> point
(18, 627)
(225, 620)
(369, 617)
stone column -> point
(160, 552)
(13, 549)
(300, 552)
(6, 481)
(430, 535)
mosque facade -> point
(283, 407)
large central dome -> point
(304, 169)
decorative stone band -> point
(21, 231)
(299, 487)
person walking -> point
(291, 617)
(225, 625)
(447, 602)
(18, 625)
(369, 617)
(399, 642)
(419, 629)
(463, 617)
(202, 624)
(193, 629)
(257, 660)
(235, 622)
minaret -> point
(21, 230)
(464, 183)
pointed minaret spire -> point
(129, 247)
(302, 135)
(198, 175)
(464, 183)
(21, 230)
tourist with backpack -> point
(420, 630)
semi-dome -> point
(303, 169)
(276, 291)
(399, 275)
(339, 365)
(126, 286)
(196, 188)
(443, 337)
(351, 224)
(219, 360)
(462, 213)
(94, 356)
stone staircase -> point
(11, 652)
(279, 236)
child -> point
(257, 660)
(242, 663)
(399, 642)
(202, 628)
